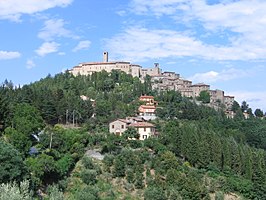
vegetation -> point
(46, 128)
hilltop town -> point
(111, 135)
(162, 81)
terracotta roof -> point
(229, 96)
(121, 120)
(146, 96)
(135, 119)
(199, 84)
(157, 75)
(105, 63)
(141, 124)
(148, 107)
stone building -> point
(147, 111)
(228, 102)
(118, 126)
(198, 88)
(87, 68)
(216, 97)
(161, 81)
(144, 129)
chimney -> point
(105, 56)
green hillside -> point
(48, 133)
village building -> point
(161, 81)
(148, 100)
(228, 102)
(216, 97)
(143, 128)
(118, 126)
(147, 112)
(230, 114)
(198, 88)
(88, 68)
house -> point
(144, 129)
(228, 101)
(230, 114)
(148, 100)
(216, 97)
(198, 88)
(246, 115)
(147, 112)
(118, 126)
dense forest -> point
(47, 130)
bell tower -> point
(105, 56)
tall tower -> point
(105, 56)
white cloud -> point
(158, 8)
(54, 28)
(61, 53)
(30, 64)
(85, 44)
(244, 21)
(141, 44)
(13, 9)
(47, 48)
(225, 75)
(254, 99)
(6, 55)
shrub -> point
(88, 176)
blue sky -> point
(222, 43)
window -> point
(144, 137)
(144, 129)
(122, 126)
(113, 126)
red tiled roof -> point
(121, 120)
(146, 96)
(229, 96)
(199, 84)
(148, 107)
(105, 63)
(141, 124)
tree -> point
(54, 193)
(14, 192)
(139, 180)
(258, 113)
(27, 119)
(119, 167)
(19, 140)
(12, 167)
(87, 162)
(154, 193)
(42, 168)
(131, 133)
(204, 96)
(244, 106)
(250, 113)
(88, 176)
(235, 106)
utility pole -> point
(73, 120)
(67, 116)
(51, 139)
